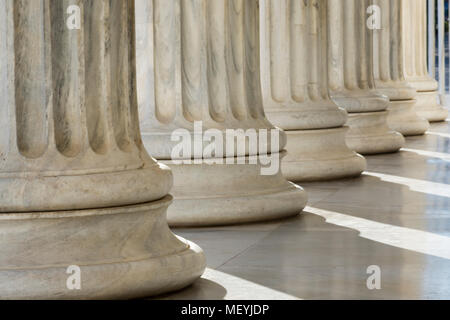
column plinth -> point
(388, 71)
(198, 63)
(295, 91)
(77, 187)
(351, 79)
(415, 57)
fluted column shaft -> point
(69, 110)
(415, 56)
(77, 187)
(296, 90)
(198, 63)
(389, 70)
(351, 79)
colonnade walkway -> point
(395, 216)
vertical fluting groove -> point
(313, 58)
(369, 51)
(423, 38)
(279, 59)
(252, 59)
(416, 35)
(337, 69)
(385, 39)
(362, 42)
(119, 69)
(350, 45)
(394, 40)
(414, 17)
(217, 69)
(96, 85)
(6, 99)
(409, 39)
(191, 51)
(419, 29)
(418, 40)
(321, 9)
(398, 7)
(31, 94)
(67, 64)
(298, 51)
(135, 132)
(235, 47)
(164, 59)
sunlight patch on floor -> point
(400, 237)
(241, 289)
(439, 134)
(431, 154)
(423, 186)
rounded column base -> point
(224, 194)
(81, 189)
(315, 155)
(403, 118)
(122, 253)
(427, 107)
(370, 134)
(356, 101)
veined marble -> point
(295, 91)
(77, 186)
(198, 62)
(351, 83)
(415, 57)
(389, 74)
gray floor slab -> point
(396, 216)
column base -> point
(224, 194)
(396, 90)
(356, 101)
(312, 115)
(82, 189)
(315, 155)
(370, 134)
(427, 107)
(402, 118)
(423, 83)
(123, 252)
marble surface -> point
(321, 154)
(389, 70)
(68, 118)
(396, 216)
(296, 91)
(231, 194)
(122, 253)
(351, 83)
(198, 64)
(416, 65)
(370, 133)
(77, 187)
(198, 61)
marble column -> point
(415, 57)
(351, 79)
(78, 192)
(295, 91)
(198, 64)
(388, 71)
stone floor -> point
(396, 216)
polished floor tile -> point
(395, 216)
